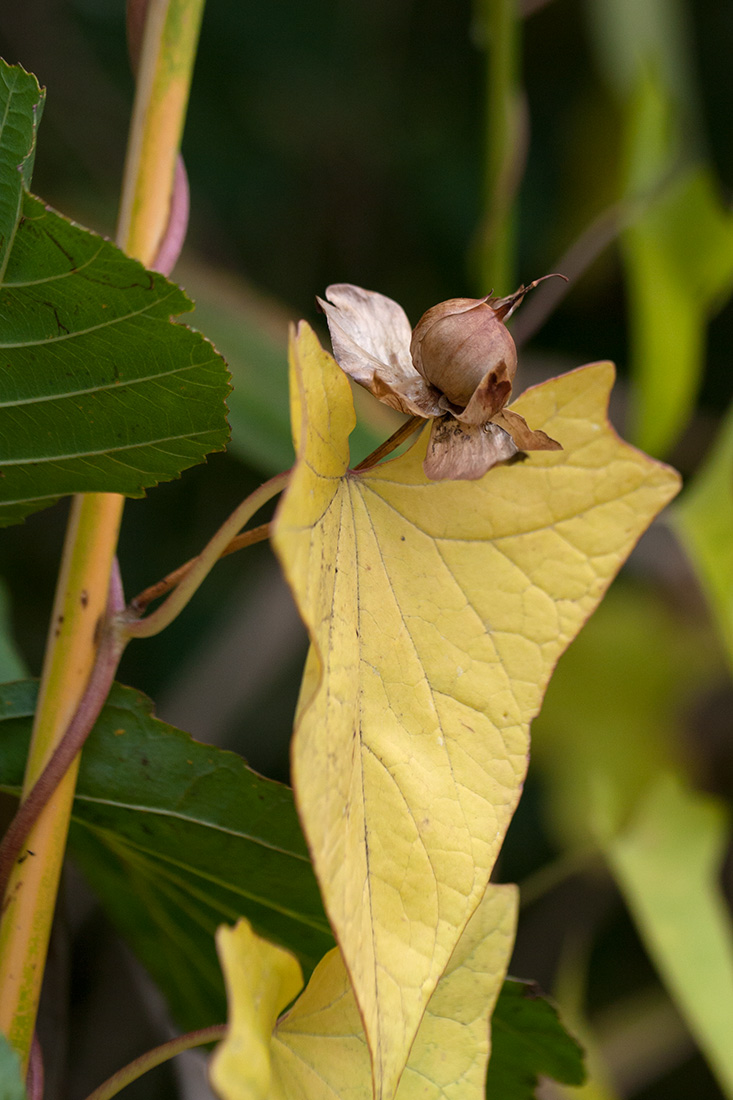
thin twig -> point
(575, 261)
(403, 432)
(34, 1080)
(196, 571)
(156, 1057)
(169, 582)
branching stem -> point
(193, 573)
(167, 584)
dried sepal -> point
(458, 451)
(525, 438)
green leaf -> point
(12, 665)
(11, 1081)
(679, 265)
(528, 1039)
(98, 390)
(22, 104)
(668, 865)
(635, 706)
(704, 521)
(176, 837)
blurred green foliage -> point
(352, 146)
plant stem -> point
(202, 565)
(108, 655)
(165, 70)
(156, 1057)
(80, 604)
(163, 84)
(403, 432)
(505, 143)
(168, 583)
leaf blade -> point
(404, 654)
(318, 1050)
(99, 391)
(176, 837)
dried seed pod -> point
(458, 342)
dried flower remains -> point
(456, 368)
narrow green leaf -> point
(98, 390)
(668, 864)
(12, 665)
(614, 717)
(528, 1039)
(704, 521)
(679, 264)
(11, 1082)
(178, 837)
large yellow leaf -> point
(437, 611)
(318, 1050)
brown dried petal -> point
(459, 451)
(412, 396)
(525, 438)
(370, 334)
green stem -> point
(203, 564)
(156, 1057)
(505, 140)
(166, 66)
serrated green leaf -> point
(528, 1039)
(22, 104)
(98, 390)
(176, 837)
(11, 1082)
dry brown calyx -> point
(456, 368)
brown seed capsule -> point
(456, 343)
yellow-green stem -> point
(81, 598)
(204, 563)
(500, 29)
(163, 84)
(166, 66)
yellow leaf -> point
(437, 611)
(318, 1049)
(261, 979)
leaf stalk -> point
(156, 1057)
(187, 579)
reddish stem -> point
(108, 656)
